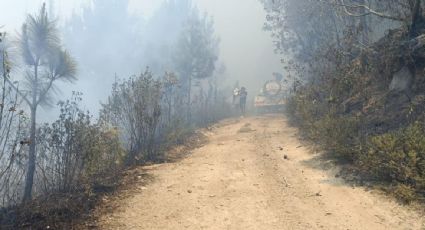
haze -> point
(245, 49)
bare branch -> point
(46, 90)
(368, 11)
(24, 96)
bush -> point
(395, 157)
(404, 193)
(398, 157)
(135, 109)
(152, 114)
(340, 136)
(74, 153)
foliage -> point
(151, 114)
(196, 53)
(129, 42)
(338, 134)
(348, 60)
(197, 48)
(74, 153)
(398, 157)
(74, 158)
(134, 107)
(161, 32)
(46, 62)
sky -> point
(246, 50)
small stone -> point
(189, 191)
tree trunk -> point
(364, 35)
(170, 104)
(416, 18)
(364, 24)
(189, 112)
(31, 158)
(29, 181)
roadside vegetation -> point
(357, 76)
(54, 173)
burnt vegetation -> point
(355, 67)
(53, 174)
(357, 74)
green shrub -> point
(404, 193)
(398, 157)
(339, 135)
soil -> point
(253, 173)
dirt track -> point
(240, 180)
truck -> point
(272, 96)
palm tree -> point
(46, 62)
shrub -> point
(135, 108)
(152, 114)
(340, 136)
(74, 152)
(398, 157)
(404, 193)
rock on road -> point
(240, 179)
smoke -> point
(116, 38)
(246, 50)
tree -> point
(161, 33)
(363, 103)
(12, 133)
(45, 63)
(113, 37)
(135, 108)
(196, 51)
(343, 28)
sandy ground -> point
(240, 179)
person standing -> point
(243, 94)
(235, 95)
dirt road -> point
(240, 179)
